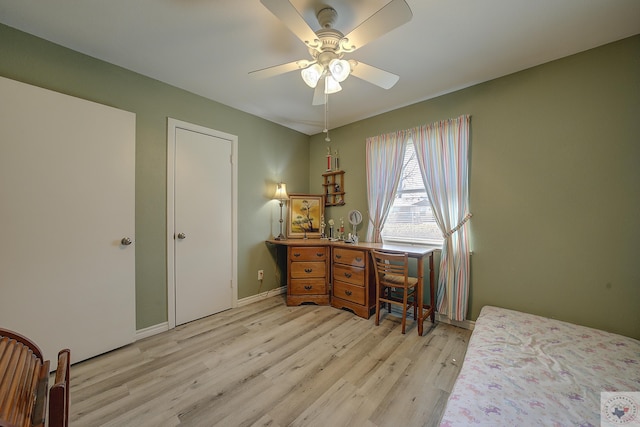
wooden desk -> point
(417, 252)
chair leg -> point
(377, 305)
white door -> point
(203, 240)
(67, 187)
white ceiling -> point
(208, 47)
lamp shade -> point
(339, 69)
(281, 192)
(311, 75)
(331, 85)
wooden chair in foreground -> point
(24, 380)
(393, 284)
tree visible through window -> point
(411, 218)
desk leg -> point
(420, 294)
(432, 289)
(431, 312)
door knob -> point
(126, 241)
(182, 236)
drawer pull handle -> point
(308, 270)
(319, 254)
(347, 275)
(348, 293)
(296, 254)
(358, 259)
(338, 256)
(308, 287)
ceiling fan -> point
(328, 46)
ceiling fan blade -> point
(393, 15)
(280, 69)
(291, 18)
(318, 94)
(374, 75)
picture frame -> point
(305, 214)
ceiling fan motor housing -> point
(329, 44)
(328, 36)
(327, 17)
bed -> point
(526, 370)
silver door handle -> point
(126, 241)
(182, 236)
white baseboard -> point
(260, 297)
(466, 324)
(163, 327)
(152, 330)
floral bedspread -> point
(526, 370)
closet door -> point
(67, 273)
(203, 215)
(201, 223)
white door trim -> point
(172, 126)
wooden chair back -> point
(392, 269)
(24, 377)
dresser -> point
(308, 274)
(353, 281)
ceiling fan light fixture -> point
(339, 69)
(311, 75)
(331, 85)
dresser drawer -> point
(349, 292)
(308, 286)
(354, 257)
(307, 269)
(346, 273)
(310, 253)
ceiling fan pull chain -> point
(326, 113)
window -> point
(411, 218)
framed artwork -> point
(305, 214)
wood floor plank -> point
(327, 375)
(333, 408)
(267, 364)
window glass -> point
(411, 218)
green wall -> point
(267, 154)
(554, 186)
(554, 175)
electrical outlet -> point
(260, 274)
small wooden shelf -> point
(333, 188)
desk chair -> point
(393, 283)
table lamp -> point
(281, 195)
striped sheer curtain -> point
(384, 155)
(443, 156)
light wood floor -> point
(267, 364)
